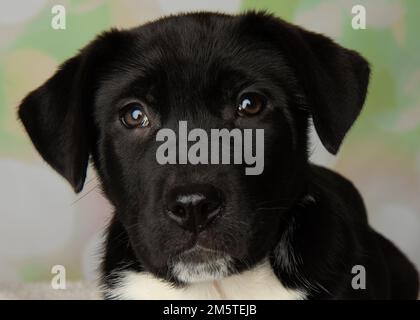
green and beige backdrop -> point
(42, 223)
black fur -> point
(310, 221)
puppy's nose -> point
(194, 206)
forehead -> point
(198, 54)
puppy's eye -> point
(133, 116)
(251, 103)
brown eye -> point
(133, 116)
(251, 104)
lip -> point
(199, 248)
(198, 254)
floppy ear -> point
(57, 115)
(55, 118)
(335, 82)
(334, 79)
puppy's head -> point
(251, 71)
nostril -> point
(204, 208)
(209, 208)
(179, 211)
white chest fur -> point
(257, 283)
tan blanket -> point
(44, 291)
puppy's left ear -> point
(334, 79)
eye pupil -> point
(251, 104)
(132, 116)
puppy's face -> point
(166, 75)
(195, 222)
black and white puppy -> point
(209, 231)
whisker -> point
(90, 180)
(84, 195)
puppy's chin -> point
(200, 264)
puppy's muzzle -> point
(193, 207)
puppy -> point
(295, 231)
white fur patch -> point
(203, 271)
(257, 283)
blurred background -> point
(42, 223)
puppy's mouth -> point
(199, 254)
(199, 264)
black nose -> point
(194, 206)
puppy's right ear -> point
(55, 119)
(57, 114)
